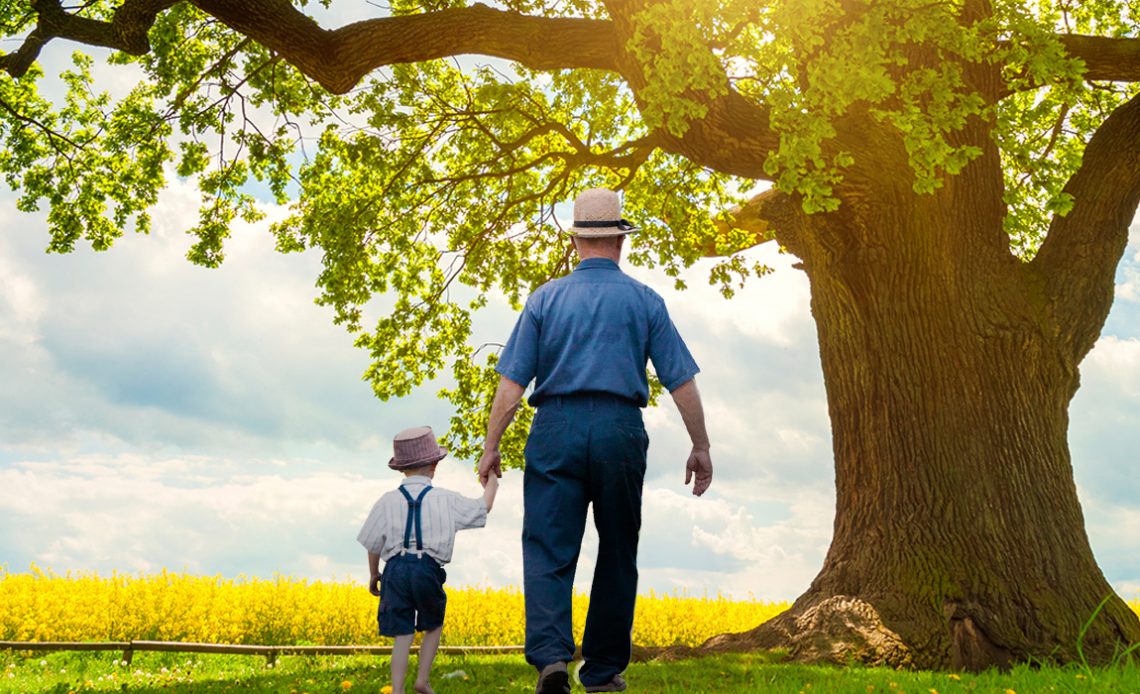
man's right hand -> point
(699, 464)
(490, 462)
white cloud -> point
(772, 309)
(1129, 289)
(134, 513)
(774, 559)
(20, 305)
(1129, 590)
(1114, 361)
(1114, 532)
(129, 512)
(138, 345)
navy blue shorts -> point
(411, 595)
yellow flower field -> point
(42, 606)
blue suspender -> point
(414, 507)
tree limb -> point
(17, 62)
(747, 216)
(974, 11)
(1078, 260)
(769, 215)
(1106, 59)
(127, 31)
(339, 59)
(735, 137)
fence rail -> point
(128, 648)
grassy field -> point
(41, 606)
(60, 673)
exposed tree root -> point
(839, 630)
(842, 630)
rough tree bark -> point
(949, 367)
(949, 364)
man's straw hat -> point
(597, 214)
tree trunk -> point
(959, 540)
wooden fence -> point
(128, 648)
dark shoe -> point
(554, 679)
(617, 684)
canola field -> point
(41, 606)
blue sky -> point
(159, 415)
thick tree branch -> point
(974, 11)
(769, 216)
(1078, 260)
(17, 62)
(339, 59)
(748, 216)
(1107, 59)
(126, 32)
(734, 137)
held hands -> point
(490, 463)
(699, 464)
(373, 584)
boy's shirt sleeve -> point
(467, 512)
(373, 534)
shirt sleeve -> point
(672, 361)
(519, 359)
(373, 533)
(467, 512)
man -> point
(585, 340)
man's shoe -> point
(554, 679)
(617, 684)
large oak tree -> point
(956, 176)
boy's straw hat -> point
(597, 214)
(415, 447)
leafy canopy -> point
(433, 186)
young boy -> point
(413, 530)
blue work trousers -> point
(583, 449)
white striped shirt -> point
(443, 513)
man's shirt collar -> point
(596, 264)
(416, 479)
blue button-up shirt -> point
(594, 331)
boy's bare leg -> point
(428, 648)
(400, 652)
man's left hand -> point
(373, 584)
(700, 465)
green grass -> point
(180, 672)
